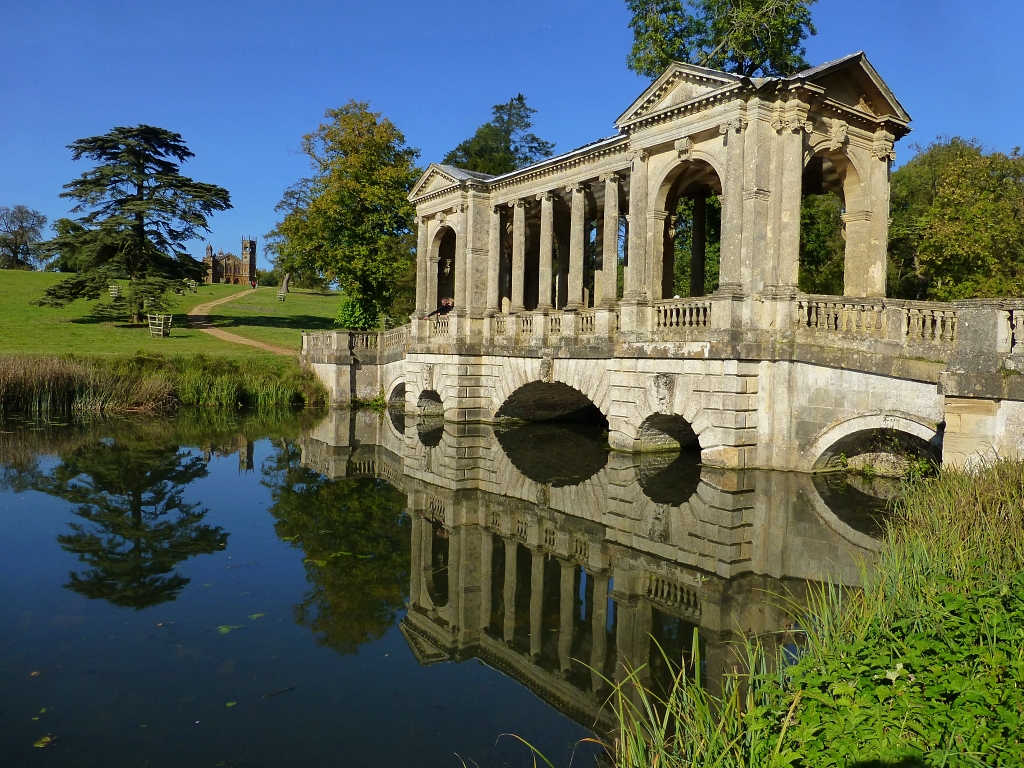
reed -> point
(149, 384)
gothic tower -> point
(248, 259)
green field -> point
(26, 328)
(260, 316)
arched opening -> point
(554, 454)
(543, 401)
(437, 584)
(670, 477)
(691, 252)
(882, 452)
(661, 432)
(396, 407)
(858, 501)
(446, 265)
(830, 188)
(429, 404)
(430, 426)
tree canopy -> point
(138, 211)
(21, 235)
(749, 37)
(356, 538)
(351, 221)
(504, 143)
(957, 227)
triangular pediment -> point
(679, 84)
(853, 82)
(433, 180)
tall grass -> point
(923, 666)
(149, 384)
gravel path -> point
(199, 317)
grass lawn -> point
(26, 328)
(260, 316)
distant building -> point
(228, 268)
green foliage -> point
(349, 223)
(749, 37)
(356, 539)
(682, 244)
(352, 315)
(957, 223)
(924, 666)
(21, 233)
(150, 383)
(504, 144)
(822, 245)
(138, 212)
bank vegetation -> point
(142, 383)
(923, 667)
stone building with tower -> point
(228, 268)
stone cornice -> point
(700, 104)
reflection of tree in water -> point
(356, 538)
(137, 526)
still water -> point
(348, 590)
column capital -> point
(736, 124)
(519, 202)
(546, 197)
(640, 154)
(615, 177)
(657, 215)
(575, 187)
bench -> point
(115, 290)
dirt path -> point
(199, 318)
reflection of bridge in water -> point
(562, 585)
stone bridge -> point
(564, 306)
(562, 586)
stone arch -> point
(857, 432)
(858, 539)
(442, 253)
(666, 432)
(429, 404)
(437, 583)
(549, 401)
(835, 170)
(584, 376)
(396, 392)
(694, 178)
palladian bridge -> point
(562, 275)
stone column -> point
(637, 280)
(610, 242)
(547, 241)
(864, 273)
(790, 189)
(566, 609)
(416, 567)
(510, 590)
(518, 253)
(577, 246)
(599, 632)
(422, 258)
(730, 276)
(432, 259)
(426, 553)
(656, 253)
(462, 290)
(698, 245)
(494, 261)
(486, 576)
(455, 578)
(536, 601)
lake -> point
(352, 589)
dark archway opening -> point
(396, 407)
(555, 454)
(822, 231)
(670, 477)
(661, 432)
(542, 401)
(883, 452)
(862, 503)
(693, 233)
(437, 584)
(446, 266)
(430, 427)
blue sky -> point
(242, 81)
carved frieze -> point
(684, 148)
(838, 134)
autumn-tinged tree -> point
(138, 211)
(21, 233)
(356, 539)
(351, 221)
(504, 144)
(957, 223)
(749, 37)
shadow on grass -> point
(905, 762)
(289, 322)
